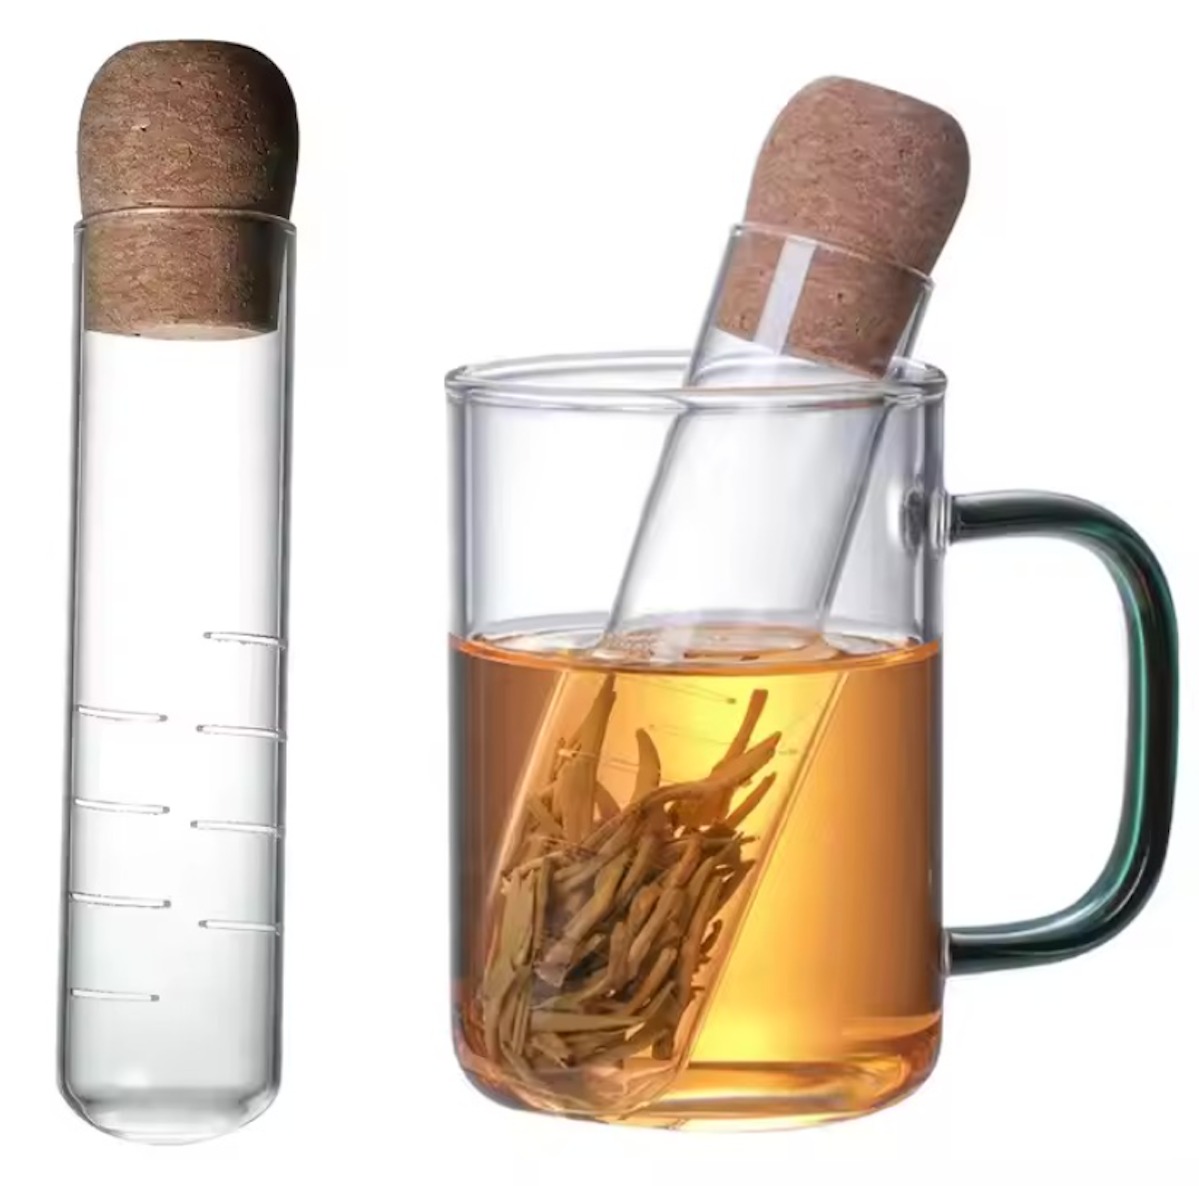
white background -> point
(502, 178)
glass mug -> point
(697, 837)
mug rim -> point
(540, 381)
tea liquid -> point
(790, 965)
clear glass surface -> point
(696, 792)
(557, 460)
(793, 1001)
(174, 812)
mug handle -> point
(1135, 864)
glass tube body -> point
(174, 811)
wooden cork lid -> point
(879, 178)
(187, 160)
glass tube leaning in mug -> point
(172, 892)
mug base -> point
(743, 1097)
(758, 1097)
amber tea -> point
(704, 893)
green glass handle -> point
(1135, 864)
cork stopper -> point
(877, 176)
(186, 151)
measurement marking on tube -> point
(120, 714)
(121, 900)
(248, 640)
(122, 808)
(102, 994)
(690, 735)
(241, 731)
(220, 825)
(220, 924)
(679, 689)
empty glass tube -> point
(172, 892)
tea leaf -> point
(590, 914)
(750, 802)
(665, 908)
(570, 877)
(753, 713)
(574, 796)
(604, 801)
(608, 914)
(687, 863)
(543, 816)
(689, 956)
(643, 906)
(552, 1046)
(649, 766)
(654, 979)
(551, 1021)
(642, 866)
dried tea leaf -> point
(605, 802)
(603, 833)
(582, 999)
(553, 1047)
(570, 877)
(673, 931)
(568, 905)
(606, 902)
(649, 766)
(494, 997)
(507, 1021)
(637, 1041)
(541, 897)
(712, 937)
(520, 1024)
(592, 946)
(667, 906)
(711, 803)
(689, 956)
(562, 751)
(602, 1047)
(710, 842)
(515, 932)
(753, 714)
(643, 906)
(744, 766)
(645, 1036)
(543, 816)
(521, 1064)
(551, 1021)
(574, 796)
(566, 1002)
(654, 979)
(517, 936)
(591, 913)
(642, 866)
(695, 887)
(681, 873)
(618, 957)
(751, 801)
(733, 882)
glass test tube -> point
(174, 812)
(772, 486)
